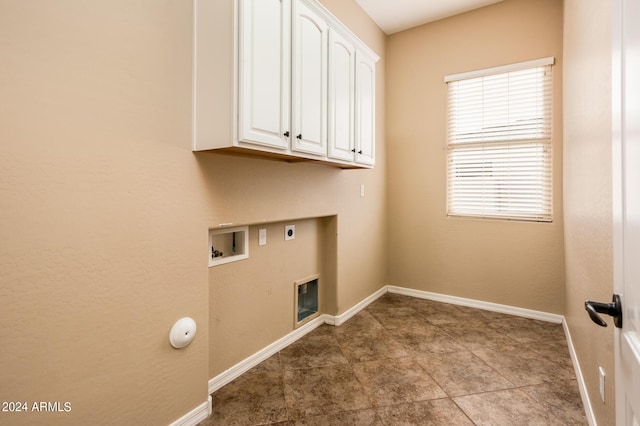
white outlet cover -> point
(262, 237)
(602, 375)
(289, 232)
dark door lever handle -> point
(593, 314)
(613, 309)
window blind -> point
(499, 143)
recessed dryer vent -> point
(306, 300)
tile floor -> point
(409, 361)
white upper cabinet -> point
(283, 79)
(309, 81)
(342, 62)
(264, 72)
(365, 110)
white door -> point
(264, 72)
(626, 209)
(365, 109)
(341, 97)
(309, 81)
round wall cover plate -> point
(182, 332)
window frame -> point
(487, 177)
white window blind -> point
(499, 142)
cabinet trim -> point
(216, 85)
(338, 25)
(308, 80)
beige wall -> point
(512, 263)
(102, 213)
(254, 191)
(587, 190)
(362, 221)
(252, 301)
(105, 209)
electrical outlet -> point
(262, 237)
(602, 376)
(289, 232)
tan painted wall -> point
(102, 213)
(362, 222)
(512, 263)
(587, 190)
(105, 209)
(254, 191)
(252, 300)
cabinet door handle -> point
(299, 136)
(286, 134)
(360, 152)
(353, 150)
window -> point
(499, 142)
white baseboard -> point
(346, 315)
(242, 367)
(196, 415)
(586, 402)
(472, 303)
(512, 310)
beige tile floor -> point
(408, 361)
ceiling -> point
(397, 15)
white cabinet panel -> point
(264, 72)
(284, 79)
(309, 81)
(365, 109)
(341, 97)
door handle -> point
(613, 309)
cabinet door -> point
(365, 109)
(341, 97)
(309, 81)
(264, 72)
